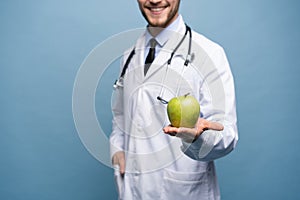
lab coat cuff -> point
(192, 149)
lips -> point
(157, 10)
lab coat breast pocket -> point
(185, 185)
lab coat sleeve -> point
(215, 144)
(117, 136)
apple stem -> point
(186, 94)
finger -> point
(215, 126)
(122, 164)
(188, 134)
(171, 130)
(189, 131)
(119, 162)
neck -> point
(155, 30)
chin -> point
(157, 23)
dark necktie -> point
(151, 55)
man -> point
(152, 159)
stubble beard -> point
(170, 17)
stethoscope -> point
(120, 82)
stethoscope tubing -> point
(119, 82)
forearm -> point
(116, 142)
(117, 136)
(211, 144)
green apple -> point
(183, 111)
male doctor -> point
(152, 159)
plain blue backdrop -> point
(43, 44)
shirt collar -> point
(164, 35)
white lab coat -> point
(159, 166)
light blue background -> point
(43, 44)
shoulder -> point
(139, 44)
(207, 49)
(208, 45)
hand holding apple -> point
(191, 134)
(183, 113)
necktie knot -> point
(151, 55)
(152, 43)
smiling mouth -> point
(157, 10)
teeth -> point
(156, 9)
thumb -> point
(122, 164)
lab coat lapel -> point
(138, 60)
(162, 58)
